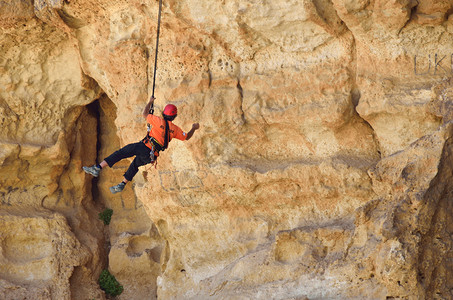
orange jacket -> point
(157, 130)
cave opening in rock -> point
(131, 235)
(91, 232)
(93, 110)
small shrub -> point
(106, 215)
(109, 284)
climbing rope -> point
(151, 109)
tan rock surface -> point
(322, 168)
(38, 255)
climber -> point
(160, 132)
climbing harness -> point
(156, 147)
(151, 109)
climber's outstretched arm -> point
(191, 132)
(146, 110)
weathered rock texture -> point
(322, 169)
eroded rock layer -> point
(322, 169)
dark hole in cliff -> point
(449, 12)
(413, 11)
(93, 109)
(84, 275)
(69, 20)
(355, 96)
(103, 141)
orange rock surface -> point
(322, 168)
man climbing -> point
(160, 132)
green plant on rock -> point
(109, 284)
(106, 215)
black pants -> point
(141, 153)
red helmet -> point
(170, 110)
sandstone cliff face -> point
(322, 168)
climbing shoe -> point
(117, 188)
(92, 170)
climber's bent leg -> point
(133, 167)
(141, 153)
(141, 158)
(130, 173)
(125, 152)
